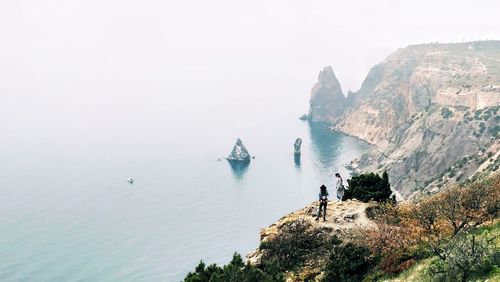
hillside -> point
(417, 272)
(431, 111)
(402, 242)
(452, 235)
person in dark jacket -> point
(323, 202)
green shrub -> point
(383, 212)
(202, 273)
(373, 212)
(477, 114)
(296, 243)
(235, 270)
(494, 130)
(366, 187)
(446, 113)
(462, 162)
(482, 127)
(348, 262)
(465, 257)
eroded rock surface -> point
(239, 153)
(327, 100)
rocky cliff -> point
(327, 100)
(343, 219)
(431, 110)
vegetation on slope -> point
(236, 270)
(445, 227)
(450, 236)
(421, 271)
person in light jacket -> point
(340, 187)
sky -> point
(61, 54)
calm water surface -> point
(67, 212)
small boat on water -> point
(130, 180)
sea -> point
(68, 213)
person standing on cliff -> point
(340, 187)
(323, 202)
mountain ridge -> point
(425, 108)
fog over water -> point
(95, 92)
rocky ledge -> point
(341, 218)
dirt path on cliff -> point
(340, 216)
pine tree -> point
(370, 186)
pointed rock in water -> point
(327, 100)
(239, 153)
(304, 117)
(297, 145)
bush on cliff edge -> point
(296, 243)
(370, 186)
(348, 262)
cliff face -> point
(410, 81)
(327, 100)
(431, 110)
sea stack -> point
(327, 100)
(297, 145)
(239, 153)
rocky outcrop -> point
(430, 110)
(342, 219)
(239, 153)
(297, 145)
(327, 101)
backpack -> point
(341, 187)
